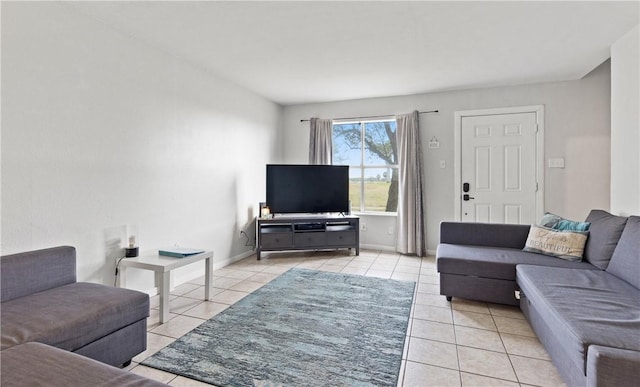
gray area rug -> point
(304, 328)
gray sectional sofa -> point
(586, 314)
(42, 302)
(36, 364)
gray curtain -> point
(410, 223)
(320, 149)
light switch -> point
(556, 163)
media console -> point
(307, 233)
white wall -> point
(577, 122)
(625, 124)
(101, 132)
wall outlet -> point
(390, 230)
(363, 227)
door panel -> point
(498, 160)
(512, 168)
(512, 213)
(482, 213)
(483, 168)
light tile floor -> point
(458, 343)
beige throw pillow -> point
(567, 245)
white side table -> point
(162, 266)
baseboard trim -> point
(378, 247)
(224, 262)
(388, 248)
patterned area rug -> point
(304, 328)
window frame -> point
(362, 166)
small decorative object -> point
(265, 212)
(131, 250)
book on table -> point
(179, 252)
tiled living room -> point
(458, 343)
(140, 126)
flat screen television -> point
(295, 188)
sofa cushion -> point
(563, 244)
(583, 308)
(493, 262)
(625, 262)
(71, 316)
(35, 271)
(36, 364)
(604, 233)
(557, 222)
(484, 234)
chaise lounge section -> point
(42, 302)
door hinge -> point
(536, 186)
(536, 128)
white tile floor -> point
(459, 343)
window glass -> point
(380, 143)
(355, 184)
(381, 190)
(370, 149)
(347, 144)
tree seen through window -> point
(370, 149)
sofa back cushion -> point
(35, 271)
(625, 262)
(604, 233)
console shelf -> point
(308, 233)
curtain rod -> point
(365, 117)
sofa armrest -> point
(608, 366)
(35, 271)
(484, 234)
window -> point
(370, 149)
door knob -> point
(466, 197)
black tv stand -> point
(310, 232)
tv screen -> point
(307, 188)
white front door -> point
(499, 168)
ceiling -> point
(315, 51)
